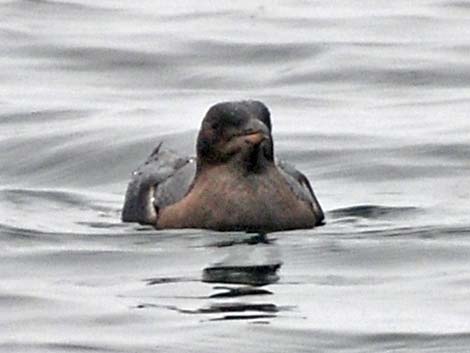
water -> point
(370, 100)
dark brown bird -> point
(233, 184)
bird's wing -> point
(300, 185)
(163, 179)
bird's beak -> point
(255, 132)
(255, 138)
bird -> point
(234, 183)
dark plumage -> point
(233, 184)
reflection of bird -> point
(233, 184)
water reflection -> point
(229, 292)
(245, 263)
(231, 311)
(250, 259)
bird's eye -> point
(215, 126)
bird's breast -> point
(227, 201)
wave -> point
(434, 77)
(373, 211)
(53, 6)
(278, 340)
(66, 198)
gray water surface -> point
(369, 99)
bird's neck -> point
(238, 165)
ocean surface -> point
(370, 99)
